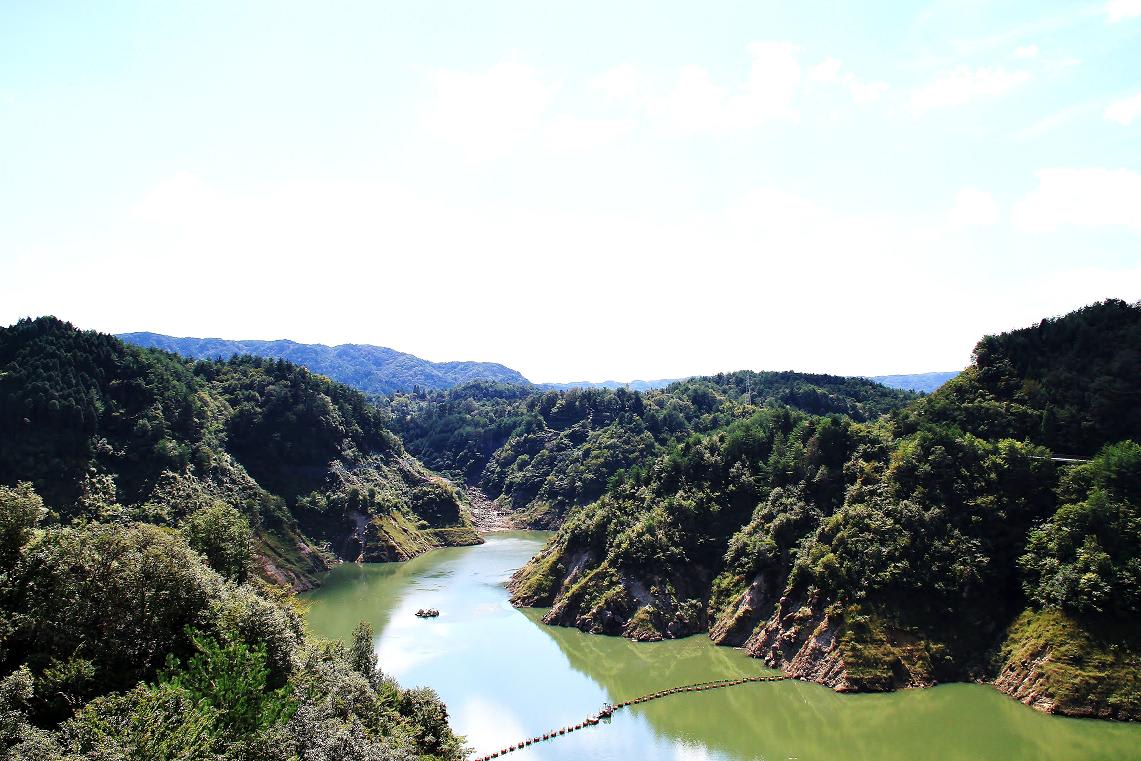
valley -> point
(831, 530)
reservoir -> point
(506, 677)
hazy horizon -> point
(533, 380)
(644, 191)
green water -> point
(505, 677)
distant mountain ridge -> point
(924, 382)
(380, 370)
(372, 369)
(613, 385)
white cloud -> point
(963, 85)
(1120, 10)
(973, 208)
(698, 104)
(1026, 51)
(865, 92)
(351, 262)
(185, 197)
(830, 71)
(1092, 197)
(486, 114)
(622, 81)
(1124, 111)
(568, 133)
(827, 71)
(1051, 122)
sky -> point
(587, 190)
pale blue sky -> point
(578, 190)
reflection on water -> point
(506, 676)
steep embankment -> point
(1059, 663)
(901, 552)
(107, 431)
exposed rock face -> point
(291, 560)
(1053, 662)
(598, 599)
(629, 609)
(809, 638)
(295, 581)
(845, 646)
(802, 641)
(409, 512)
(753, 607)
(1026, 682)
(536, 584)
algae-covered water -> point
(506, 677)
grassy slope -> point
(1058, 663)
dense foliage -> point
(111, 432)
(935, 525)
(1087, 557)
(546, 452)
(1069, 383)
(121, 641)
(69, 399)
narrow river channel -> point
(506, 677)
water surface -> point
(505, 677)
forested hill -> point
(938, 543)
(922, 382)
(372, 369)
(111, 432)
(538, 454)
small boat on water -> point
(427, 613)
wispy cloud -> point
(1054, 121)
(1121, 10)
(962, 85)
(698, 104)
(831, 71)
(1082, 197)
(1124, 111)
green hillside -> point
(539, 454)
(107, 431)
(899, 551)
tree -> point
(223, 536)
(233, 678)
(361, 654)
(21, 510)
(1087, 557)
